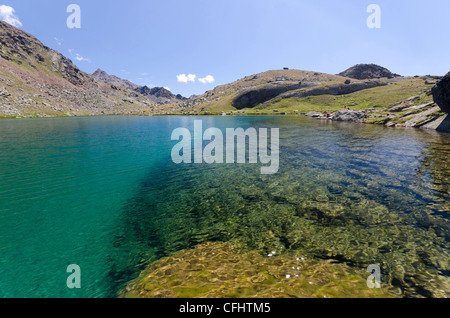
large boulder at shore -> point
(441, 93)
(349, 115)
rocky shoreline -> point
(406, 113)
(400, 115)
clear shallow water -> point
(103, 193)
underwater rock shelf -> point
(218, 270)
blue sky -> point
(151, 42)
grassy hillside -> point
(220, 100)
(378, 97)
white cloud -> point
(58, 41)
(167, 88)
(191, 77)
(78, 57)
(183, 78)
(207, 79)
(7, 15)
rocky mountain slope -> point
(36, 81)
(157, 95)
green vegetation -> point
(378, 97)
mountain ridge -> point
(158, 95)
(37, 81)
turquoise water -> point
(103, 193)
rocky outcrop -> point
(441, 93)
(258, 95)
(253, 96)
(338, 89)
(368, 71)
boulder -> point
(349, 115)
(313, 114)
(441, 93)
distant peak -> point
(99, 71)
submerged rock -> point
(218, 270)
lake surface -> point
(103, 193)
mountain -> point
(392, 100)
(368, 71)
(272, 90)
(38, 81)
(159, 95)
(103, 77)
